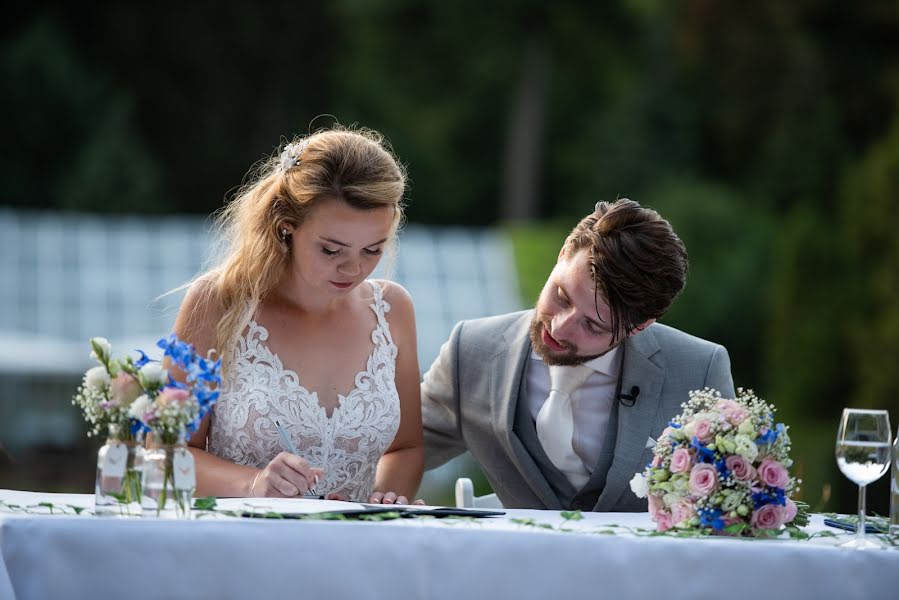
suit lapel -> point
(643, 368)
(506, 373)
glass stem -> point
(860, 530)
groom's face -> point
(571, 325)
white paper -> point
(285, 506)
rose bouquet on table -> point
(721, 467)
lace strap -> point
(381, 308)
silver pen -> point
(293, 450)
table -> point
(68, 556)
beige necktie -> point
(555, 422)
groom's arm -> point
(719, 376)
(440, 405)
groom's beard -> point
(555, 358)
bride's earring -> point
(285, 235)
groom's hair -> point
(637, 262)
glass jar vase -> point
(169, 480)
(117, 492)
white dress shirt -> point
(591, 403)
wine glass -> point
(863, 455)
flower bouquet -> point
(105, 397)
(170, 409)
(721, 467)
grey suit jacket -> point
(472, 400)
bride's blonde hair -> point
(354, 165)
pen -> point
(287, 443)
(293, 450)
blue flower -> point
(769, 496)
(144, 359)
(769, 438)
(703, 454)
(675, 425)
(721, 465)
(711, 517)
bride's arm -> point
(216, 476)
(400, 469)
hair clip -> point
(290, 156)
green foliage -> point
(536, 248)
(728, 240)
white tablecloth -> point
(56, 556)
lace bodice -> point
(258, 390)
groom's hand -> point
(391, 498)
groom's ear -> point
(643, 326)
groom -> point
(560, 405)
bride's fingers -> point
(288, 489)
(420, 502)
(297, 466)
(389, 498)
(402, 500)
(376, 498)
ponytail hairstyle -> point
(638, 263)
(354, 165)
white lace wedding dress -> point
(258, 390)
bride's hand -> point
(286, 476)
(391, 498)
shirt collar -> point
(607, 364)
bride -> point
(309, 346)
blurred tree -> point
(729, 244)
(869, 203)
(74, 140)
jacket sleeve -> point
(440, 409)
(719, 376)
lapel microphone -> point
(630, 399)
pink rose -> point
(655, 505)
(124, 389)
(656, 461)
(172, 395)
(703, 479)
(790, 511)
(741, 468)
(681, 460)
(682, 512)
(769, 516)
(773, 474)
(732, 411)
(703, 430)
(663, 521)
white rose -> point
(746, 447)
(639, 486)
(104, 346)
(152, 374)
(139, 407)
(96, 378)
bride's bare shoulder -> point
(200, 312)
